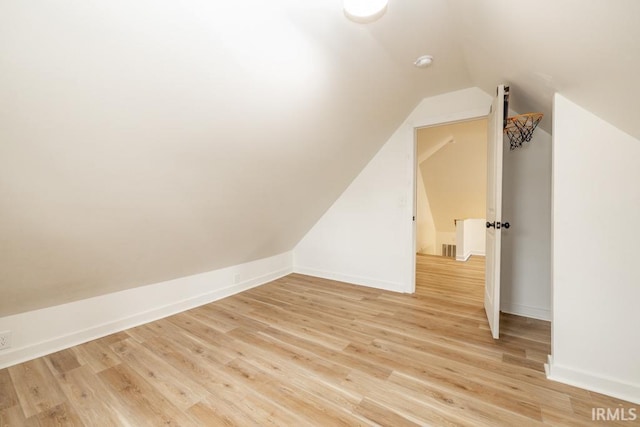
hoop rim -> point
(525, 116)
(520, 128)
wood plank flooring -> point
(306, 351)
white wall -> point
(366, 237)
(470, 238)
(475, 239)
(596, 282)
(126, 157)
(526, 246)
(425, 227)
(40, 332)
(455, 174)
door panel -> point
(495, 137)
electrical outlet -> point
(236, 278)
(5, 340)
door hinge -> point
(414, 218)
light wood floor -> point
(306, 351)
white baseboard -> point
(354, 280)
(526, 311)
(40, 332)
(589, 381)
(465, 257)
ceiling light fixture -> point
(364, 11)
(423, 61)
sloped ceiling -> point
(454, 176)
(147, 140)
(588, 50)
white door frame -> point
(457, 118)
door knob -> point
(497, 225)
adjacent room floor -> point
(307, 351)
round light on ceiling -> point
(423, 61)
(364, 11)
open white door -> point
(495, 136)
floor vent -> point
(449, 250)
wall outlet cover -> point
(5, 340)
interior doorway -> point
(450, 187)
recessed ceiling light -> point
(364, 11)
(423, 61)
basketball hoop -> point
(520, 128)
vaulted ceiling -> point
(587, 50)
(147, 140)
